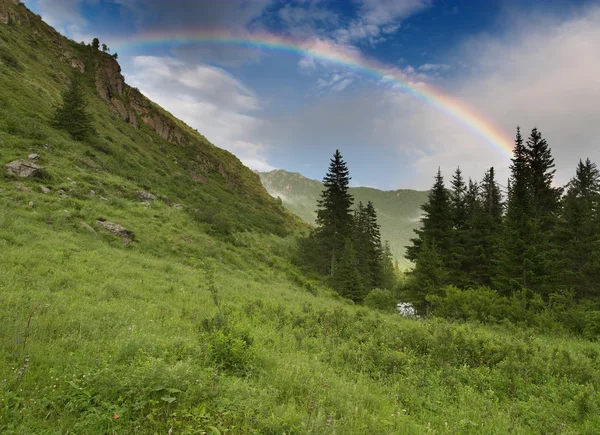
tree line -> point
(346, 246)
(537, 240)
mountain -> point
(398, 210)
(148, 285)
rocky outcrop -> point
(130, 104)
(23, 168)
(117, 230)
(145, 196)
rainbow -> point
(333, 54)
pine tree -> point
(514, 267)
(458, 247)
(72, 115)
(579, 231)
(334, 217)
(96, 44)
(545, 197)
(361, 243)
(488, 224)
(375, 247)
(436, 223)
(427, 278)
(346, 278)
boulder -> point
(23, 168)
(44, 189)
(33, 157)
(145, 196)
(117, 230)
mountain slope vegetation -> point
(398, 211)
(148, 285)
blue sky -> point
(532, 63)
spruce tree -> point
(458, 247)
(72, 115)
(579, 232)
(428, 277)
(436, 223)
(545, 197)
(375, 247)
(346, 279)
(514, 267)
(334, 216)
(488, 225)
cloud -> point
(377, 19)
(207, 98)
(543, 71)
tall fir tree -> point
(545, 198)
(488, 226)
(459, 234)
(514, 266)
(375, 247)
(346, 278)
(72, 115)
(334, 215)
(579, 232)
(436, 223)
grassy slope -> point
(196, 326)
(398, 210)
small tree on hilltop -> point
(72, 115)
(96, 44)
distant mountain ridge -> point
(398, 210)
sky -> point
(400, 87)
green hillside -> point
(148, 285)
(398, 210)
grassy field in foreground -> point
(186, 331)
(203, 324)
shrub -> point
(379, 299)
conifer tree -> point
(488, 226)
(72, 115)
(436, 223)
(545, 197)
(375, 247)
(361, 243)
(458, 246)
(346, 278)
(334, 217)
(514, 267)
(579, 231)
(428, 276)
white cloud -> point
(378, 18)
(543, 72)
(207, 98)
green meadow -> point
(200, 321)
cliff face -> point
(130, 104)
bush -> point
(379, 299)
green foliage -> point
(381, 299)
(189, 331)
(72, 115)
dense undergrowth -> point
(203, 324)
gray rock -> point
(31, 204)
(44, 189)
(117, 229)
(178, 206)
(33, 157)
(145, 196)
(23, 168)
(92, 193)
